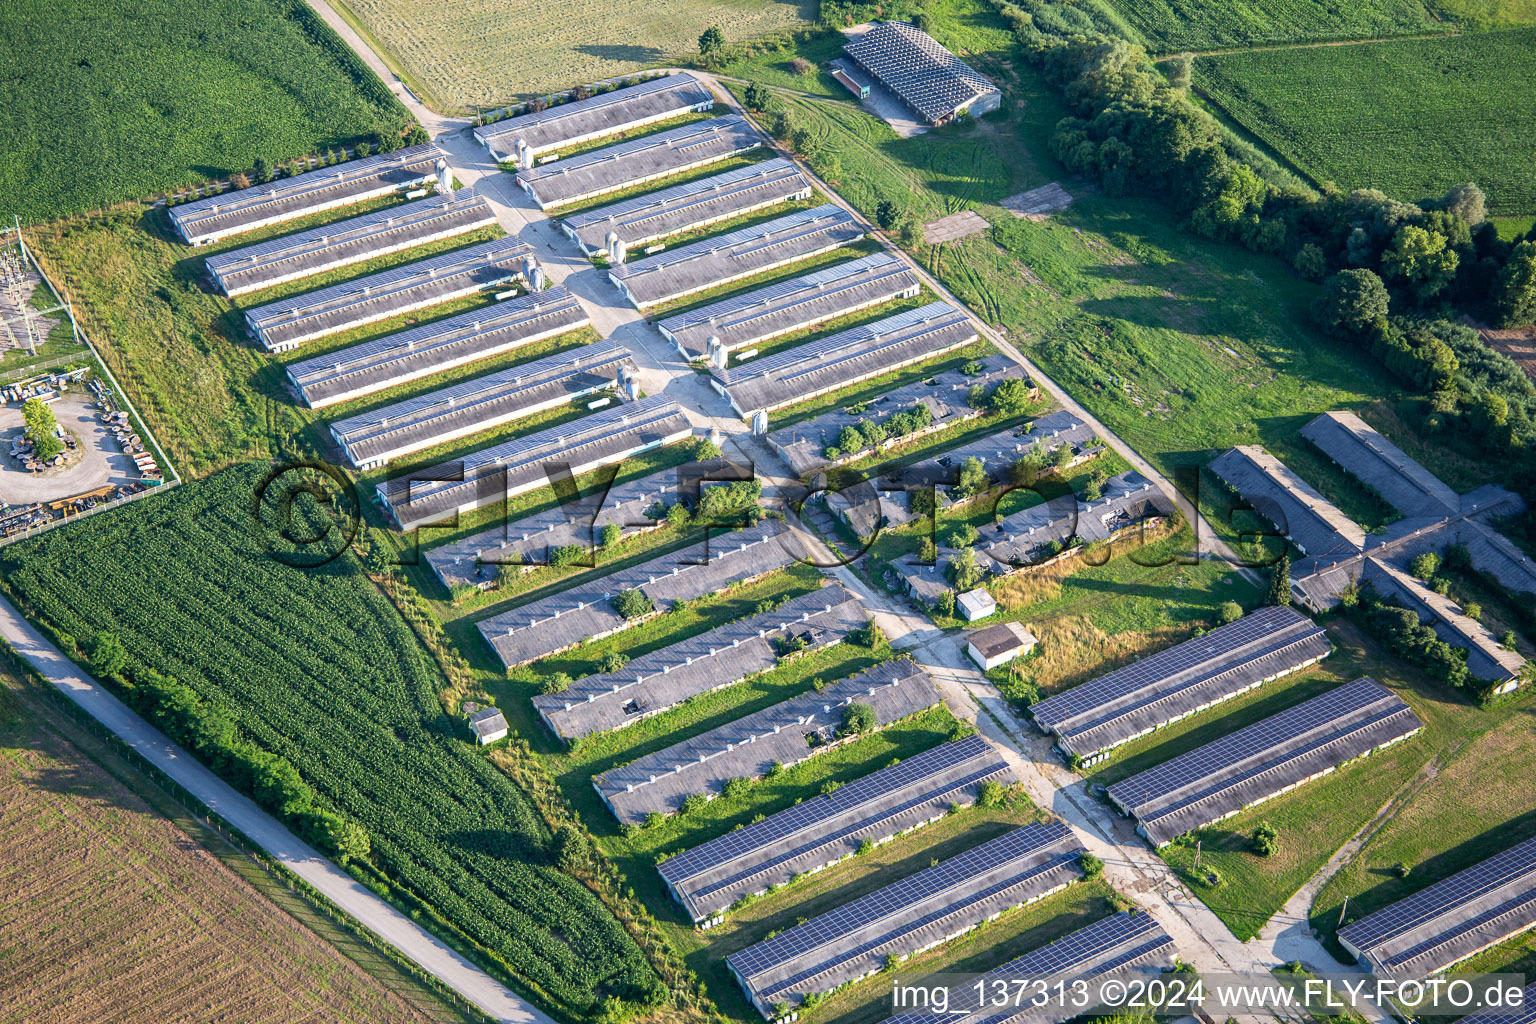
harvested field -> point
(1519, 343)
(113, 913)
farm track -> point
(1303, 46)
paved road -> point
(336, 885)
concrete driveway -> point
(103, 462)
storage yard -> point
(731, 257)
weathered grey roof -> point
(1026, 536)
(1486, 657)
(918, 911)
(1381, 465)
(595, 116)
(287, 198)
(1000, 639)
(477, 559)
(481, 403)
(825, 829)
(945, 394)
(662, 679)
(614, 167)
(792, 305)
(848, 357)
(998, 452)
(1181, 680)
(1127, 944)
(349, 241)
(736, 254)
(1450, 920)
(584, 611)
(423, 496)
(487, 721)
(1262, 760)
(866, 509)
(916, 67)
(1305, 517)
(287, 322)
(655, 215)
(432, 348)
(748, 747)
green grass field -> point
(1411, 116)
(107, 102)
(1169, 26)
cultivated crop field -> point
(1410, 116)
(1168, 26)
(103, 102)
(114, 913)
(460, 57)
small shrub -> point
(1401, 870)
(801, 66)
(1231, 611)
(735, 787)
(865, 848)
(632, 604)
(610, 535)
(613, 661)
(1092, 866)
(1266, 840)
(692, 805)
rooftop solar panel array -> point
(662, 679)
(477, 560)
(350, 241)
(1451, 919)
(1525, 1013)
(584, 611)
(1122, 944)
(289, 322)
(784, 734)
(928, 78)
(816, 368)
(1262, 760)
(691, 205)
(735, 255)
(1162, 687)
(793, 305)
(607, 113)
(207, 220)
(481, 403)
(824, 829)
(911, 914)
(433, 348)
(611, 168)
(608, 435)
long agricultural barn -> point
(1381, 465)
(482, 403)
(1264, 760)
(484, 478)
(596, 173)
(203, 221)
(585, 611)
(738, 254)
(784, 734)
(288, 323)
(436, 347)
(1525, 1013)
(351, 241)
(935, 83)
(478, 559)
(825, 829)
(525, 138)
(727, 654)
(757, 316)
(1126, 945)
(1128, 500)
(1449, 921)
(1306, 518)
(642, 220)
(1094, 718)
(816, 368)
(920, 911)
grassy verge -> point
(684, 303)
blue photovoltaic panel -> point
(1524, 1014)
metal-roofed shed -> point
(289, 322)
(436, 347)
(231, 213)
(1306, 518)
(935, 83)
(736, 255)
(608, 435)
(823, 830)
(1381, 465)
(473, 406)
(523, 139)
(1263, 760)
(328, 246)
(600, 171)
(785, 734)
(1094, 718)
(727, 654)
(815, 368)
(1452, 919)
(687, 207)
